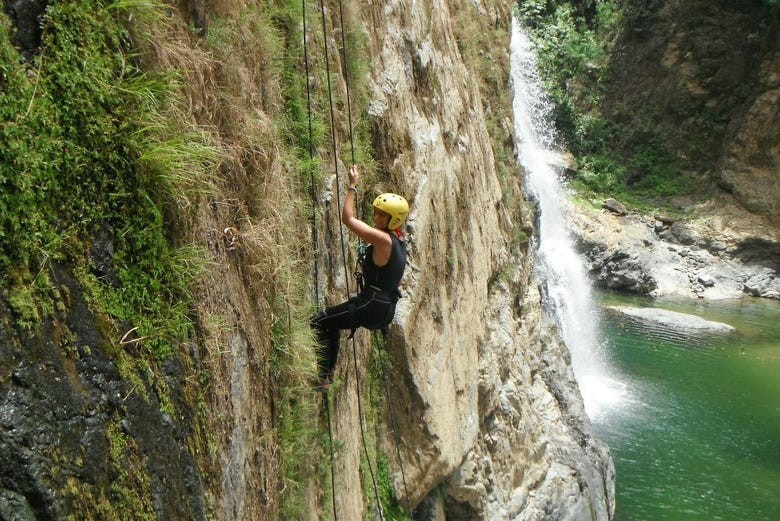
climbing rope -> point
(361, 245)
(343, 243)
(361, 416)
(315, 239)
(363, 432)
(312, 180)
(315, 249)
(332, 459)
(346, 83)
(396, 437)
(333, 139)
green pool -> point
(697, 434)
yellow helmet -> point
(396, 206)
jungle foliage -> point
(646, 151)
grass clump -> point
(88, 147)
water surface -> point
(698, 436)
(692, 422)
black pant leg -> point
(328, 325)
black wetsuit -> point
(372, 308)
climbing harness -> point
(361, 256)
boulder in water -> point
(673, 319)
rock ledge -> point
(673, 319)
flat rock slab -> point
(673, 319)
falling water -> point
(566, 285)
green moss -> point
(393, 510)
(91, 142)
(129, 496)
(24, 305)
(126, 497)
(30, 297)
(83, 150)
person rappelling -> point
(382, 269)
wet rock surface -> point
(73, 428)
(26, 16)
(673, 319)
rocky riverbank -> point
(723, 252)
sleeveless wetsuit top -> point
(387, 277)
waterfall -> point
(566, 287)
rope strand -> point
(363, 432)
(396, 437)
(315, 240)
(332, 459)
(343, 242)
(354, 343)
(346, 80)
(312, 184)
(333, 142)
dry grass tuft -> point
(244, 185)
(256, 286)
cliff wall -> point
(706, 73)
(703, 79)
(484, 399)
(483, 394)
(689, 90)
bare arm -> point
(379, 238)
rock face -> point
(67, 413)
(674, 320)
(728, 255)
(706, 76)
(527, 398)
(485, 399)
(750, 168)
(26, 16)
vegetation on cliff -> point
(167, 167)
(85, 148)
(106, 171)
(647, 117)
(95, 171)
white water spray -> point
(566, 285)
